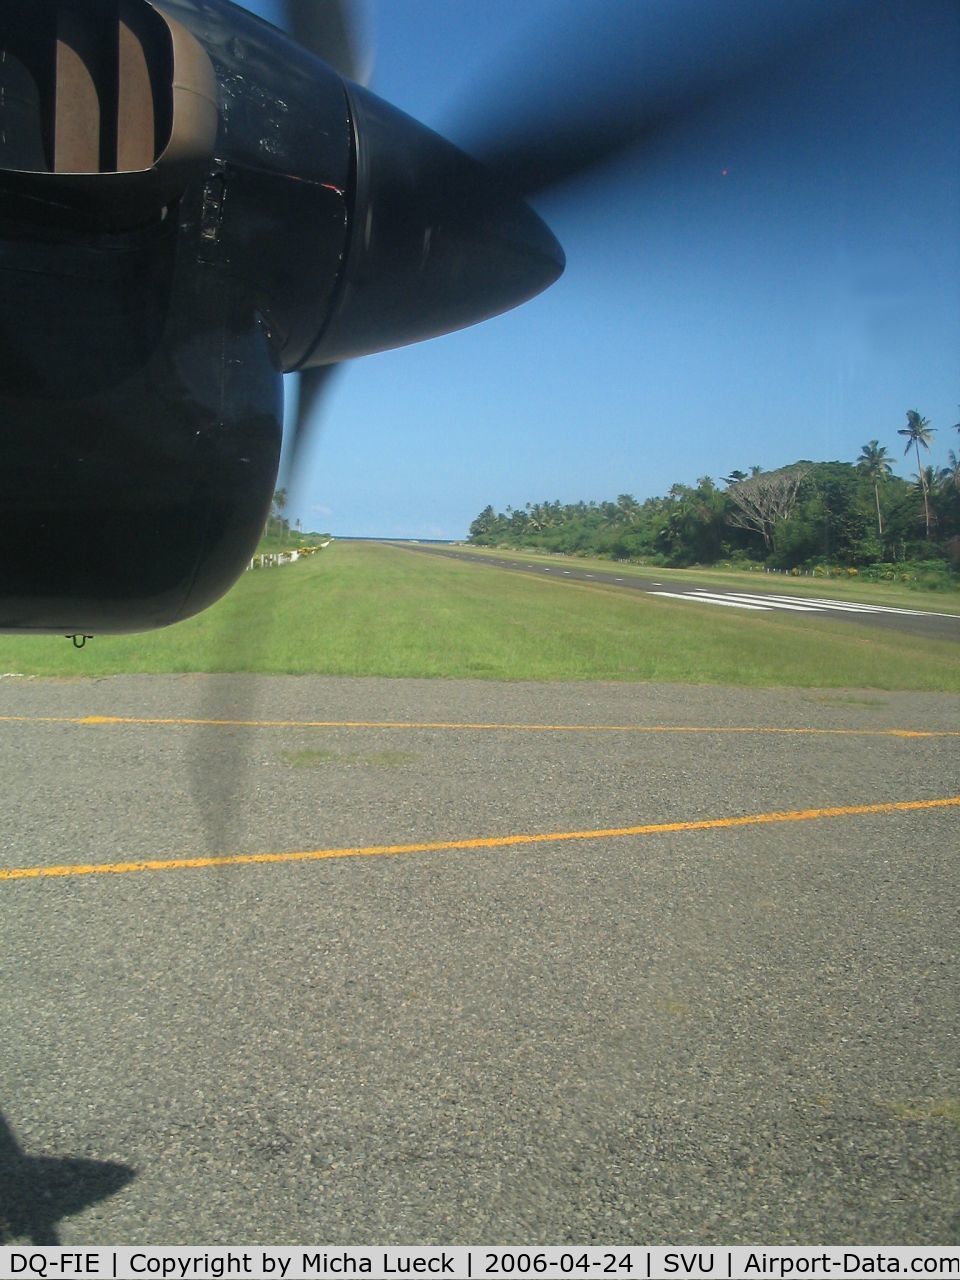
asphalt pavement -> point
(714, 998)
(775, 593)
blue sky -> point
(795, 306)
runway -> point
(304, 959)
(922, 622)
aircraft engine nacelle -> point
(192, 205)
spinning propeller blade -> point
(624, 79)
(633, 77)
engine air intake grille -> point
(84, 87)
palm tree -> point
(541, 516)
(628, 508)
(928, 481)
(279, 506)
(919, 432)
(874, 465)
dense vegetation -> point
(808, 515)
(277, 534)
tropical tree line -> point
(277, 525)
(803, 515)
(277, 529)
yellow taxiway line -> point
(483, 842)
(96, 721)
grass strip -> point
(363, 609)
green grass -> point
(900, 595)
(851, 700)
(362, 609)
(313, 759)
(946, 1109)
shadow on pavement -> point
(37, 1191)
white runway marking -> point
(797, 604)
(773, 602)
(734, 604)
